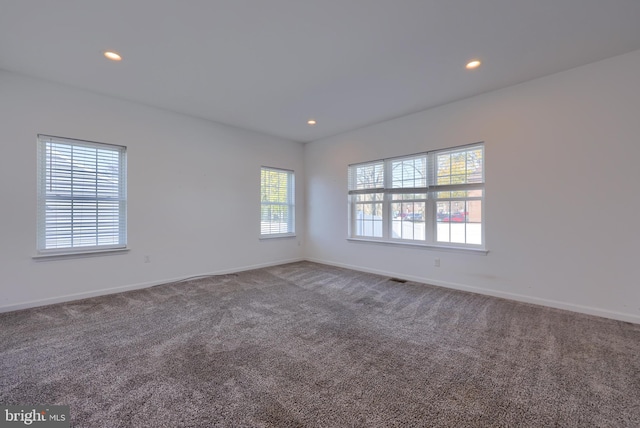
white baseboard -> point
(605, 313)
(139, 286)
(456, 286)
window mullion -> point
(430, 206)
(430, 223)
(387, 223)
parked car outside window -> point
(413, 217)
(459, 217)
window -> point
(433, 198)
(82, 200)
(277, 208)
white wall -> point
(561, 204)
(193, 190)
(562, 177)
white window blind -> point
(430, 198)
(82, 200)
(277, 207)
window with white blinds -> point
(277, 207)
(432, 198)
(82, 196)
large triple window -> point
(432, 198)
(82, 197)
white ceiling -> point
(269, 65)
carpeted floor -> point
(305, 344)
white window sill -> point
(77, 254)
(471, 250)
(280, 236)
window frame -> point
(290, 204)
(427, 187)
(44, 198)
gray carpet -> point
(305, 344)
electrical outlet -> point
(436, 262)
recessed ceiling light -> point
(473, 64)
(113, 56)
(311, 122)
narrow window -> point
(459, 194)
(366, 182)
(277, 208)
